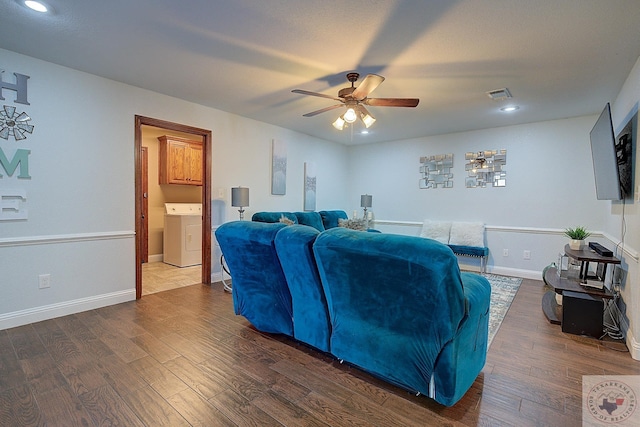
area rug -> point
(503, 290)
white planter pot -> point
(575, 244)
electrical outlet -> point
(526, 255)
(505, 252)
(44, 281)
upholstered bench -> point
(464, 238)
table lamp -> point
(240, 199)
(365, 202)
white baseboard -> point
(155, 258)
(504, 271)
(633, 346)
(46, 312)
(515, 272)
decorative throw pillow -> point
(283, 219)
(353, 224)
(467, 234)
(436, 230)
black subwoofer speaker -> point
(582, 314)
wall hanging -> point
(278, 167)
(486, 168)
(435, 171)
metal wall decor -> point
(14, 124)
(309, 186)
(486, 168)
(436, 171)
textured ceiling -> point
(559, 58)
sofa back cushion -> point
(273, 216)
(312, 219)
(394, 301)
(294, 245)
(330, 218)
(260, 290)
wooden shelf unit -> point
(550, 307)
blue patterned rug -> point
(503, 290)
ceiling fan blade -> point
(392, 102)
(315, 113)
(367, 86)
(321, 95)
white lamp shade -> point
(339, 123)
(240, 196)
(366, 200)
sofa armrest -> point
(463, 358)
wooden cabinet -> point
(180, 161)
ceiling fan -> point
(355, 99)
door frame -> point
(206, 192)
(144, 174)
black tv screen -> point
(605, 164)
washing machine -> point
(182, 234)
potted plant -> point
(577, 236)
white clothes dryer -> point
(182, 240)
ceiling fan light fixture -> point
(339, 123)
(350, 116)
(368, 120)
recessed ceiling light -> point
(364, 132)
(510, 108)
(36, 5)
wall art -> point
(309, 186)
(486, 168)
(435, 171)
(278, 167)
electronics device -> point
(601, 250)
(582, 314)
(605, 163)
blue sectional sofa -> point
(321, 221)
(395, 306)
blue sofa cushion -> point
(462, 359)
(273, 216)
(294, 245)
(312, 219)
(260, 290)
(330, 218)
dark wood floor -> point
(181, 357)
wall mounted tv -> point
(605, 164)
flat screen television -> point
(605, 163)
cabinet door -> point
(178, 157)
(195, 164)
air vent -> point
(499, 94)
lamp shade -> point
(240, 196)
(365, 200)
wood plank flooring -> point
(182, 358)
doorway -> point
(140, 217)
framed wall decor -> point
(309, 186)
(278, 167)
